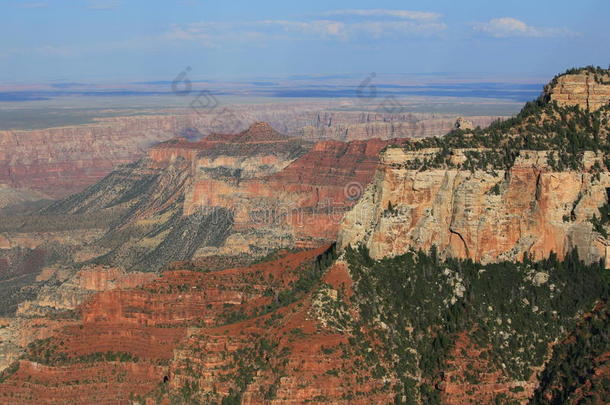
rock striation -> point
(109, 318)
(229, 195)
(486, 196)
(529, 209)
(588, 88)
(64, 160)
(77, 286)
(260, 189)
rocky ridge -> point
(186, 333)
(229, 195)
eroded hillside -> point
(471, 271)
(227, 199)
(303, 327)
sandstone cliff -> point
(588, 88)
(197, 336)
(534, 184)
(258, 190)
(61, 293)
(230, 195)
(486, 216)
(75, 287)
(302, 328)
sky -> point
(127, 40)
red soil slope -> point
(183, 328)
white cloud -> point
(40, 4)
(103, 4)
(374, 25)
(344, 30)
(378, 29)
(54, 50)
(214, 34)
(403, 14)
(316, 27)
(511, 27)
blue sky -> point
(123, 40)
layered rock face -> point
(64, 160)
(76, 287)
(287, 330)
(304, 326)
(384, 126)
(62, 291)
(281, 191)
(229, 195)
(589, 90)
(485, 216)
(493, 200)
(193, 335)
(306, 199)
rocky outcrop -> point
(463, 124)
(76, 287)
(483, 215)
(588, 89)
(64, 290)
(230, 195)
(376, 125)
(62, 161)
(283, 195)
(105, 383)
(17, 333)
(276, 333)
(300, 326)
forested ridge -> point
(416, 304)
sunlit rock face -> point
(281, 191)
(486, 216)
(588, 90)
